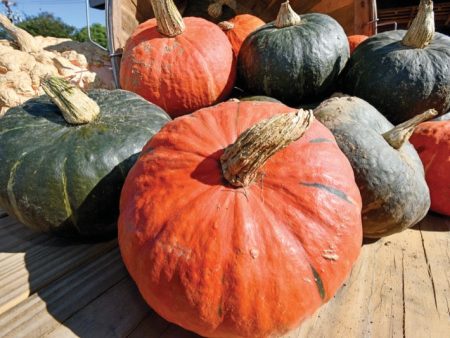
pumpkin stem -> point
(170, 22)
(421, 31)
(76, 107)
(215, 10)
(226, 25)
(398, 135)
(24, 40)
(242, 159)
(286, 16)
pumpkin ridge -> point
(314, 255)
(10, 192)
(294, 235)
(211, 88)
(65, 197)
(264, 236)
(158, 61)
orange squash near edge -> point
(432, 142)
(238, 28)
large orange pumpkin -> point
(228, 260)
(355, 40)
(238, 28)
(180, 65)
(432, 142)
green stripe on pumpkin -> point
(318, 282)
(332, 190)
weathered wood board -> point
(49, 287)
(354, 16)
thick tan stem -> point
(24, 40)
(169, 19)
(421, 31)
(226, 25)
(242, 159)
(76, 107)
(398, 135)
(286, 16)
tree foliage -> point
(46, 24)
(98, 34)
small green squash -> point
(66, 178)
(403, 73)
(295, 59)
(388, 170)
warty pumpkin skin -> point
(399, 80)
(432, 142)
(181, 73)
(238, 28)
(238, 262)
(67, 179)
(297, 63)
(392, 184)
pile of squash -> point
(239, 218)
(25, 59)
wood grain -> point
(43, 312)
(400, 287)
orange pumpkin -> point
(432, 142)
(251, 258)
(238, 28)
(355, 40)
(180, 65)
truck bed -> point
(51, 287)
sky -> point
(71, 12)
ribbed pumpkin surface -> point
(248, 262)
(182, 74)
(67, 179)
(432, 142)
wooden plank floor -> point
(50, 287)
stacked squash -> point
(237, 218)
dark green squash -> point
(392, 183)
(403, 75)
(63, 178)
(295, 59)
(444, 117)
(259, 98)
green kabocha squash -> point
(403, 73)
(259, 98)
(296, 58)
(387, 168)
(66, 177)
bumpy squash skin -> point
(238, 262)
(392, 184)
(67, 179)
(190, 71)
(432, 142)
(400, 81)
(294, 64)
